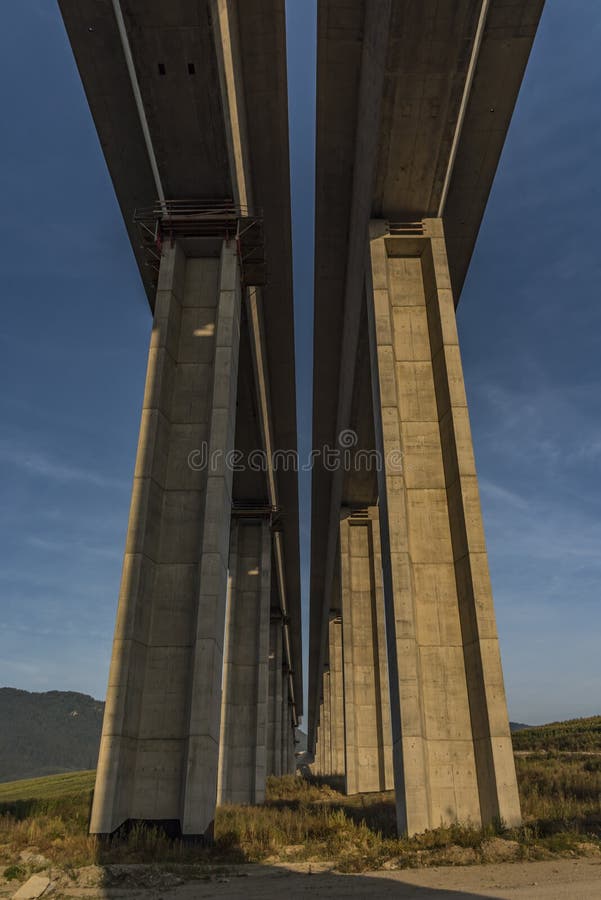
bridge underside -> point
(414, 99)
(190, 103)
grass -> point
(573, 736)
(47, 788)
(560, 790)
(305, 821)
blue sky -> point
(75, 328)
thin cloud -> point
(42, 466)
(68, 546)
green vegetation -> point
(57, 731)
(15, 873)
(561, 791)
(306, 821)
(574, 736)
(48, 788)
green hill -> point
(49, 733)
(52, 787)
(575, 735)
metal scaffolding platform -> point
(204, 220)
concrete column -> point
(452, 749)
(274, 741)
(326, 726)
(285, 720)
(158, 754)
(292, 746)
(336, 697)
(321, 743)
(368, 759)
(317, 767)
(243, 752)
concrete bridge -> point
(405, 686)
(190, 102)
(414, 99)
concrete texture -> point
(451, 743)
(336, 675)
(160, 729)
(285, 723)
(368, 740)
(288, 746)
(274, 722)
(244, 712)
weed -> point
(305, 820)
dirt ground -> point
(560, 879)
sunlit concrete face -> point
(428, 716)
(244, 711)
(368, 742)
(451, 742)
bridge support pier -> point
(326, 731)
(244, 714)
(336, 678)
(160, 740)
(368, 743)
(452, 748)
(287, 727)
(274, 744)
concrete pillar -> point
(321, 742)
(292, 746)
(274, 732)
(243, 752)
(326, 726)
(159, 748)
(336, 697)
(285, 720)
(452, 748)
(317, 767)
(368, 741)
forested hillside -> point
(43, 734)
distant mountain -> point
(59, 731)
(45, 734)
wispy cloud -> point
(52, 545)
(41, 465)
(541, 530)
(496, 492)
(557, 426)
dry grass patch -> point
(305, 821)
